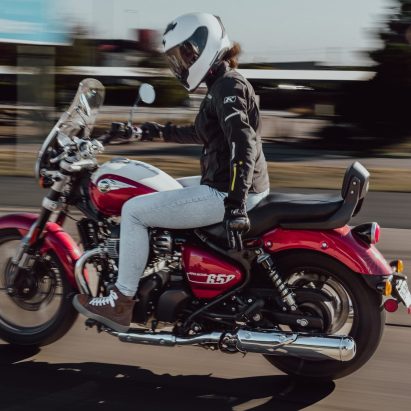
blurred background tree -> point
(81, 52)
(392, 83)
(381, 108)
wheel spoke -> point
(340, 306)
(36, 299)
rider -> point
(234, 174)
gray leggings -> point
(193, 206)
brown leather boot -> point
(115, 311)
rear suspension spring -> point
(265, 260)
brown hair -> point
(232, 55)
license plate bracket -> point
(403, 292)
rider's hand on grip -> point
(151, 130)
(236, 223)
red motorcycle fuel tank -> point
(208, 274)
(120, 179)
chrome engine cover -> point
(162, 242)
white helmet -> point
(193, 43)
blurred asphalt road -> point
(91, 371)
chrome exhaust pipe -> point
(311, 347)
(81, 281)
(306, 346)
(167, 339)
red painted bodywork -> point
(55, 239)
(340, 244)
(110, 203)
(205, 270)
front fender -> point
(340, 244)
(55, 239)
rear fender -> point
(341, 244)
(55, 239)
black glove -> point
(151, 130)
(236, 223)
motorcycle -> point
(306, 290)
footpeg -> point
(90, 323)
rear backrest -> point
(356, 170)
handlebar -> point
(121, 132)
(77, 154)
(89, 148)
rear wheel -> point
(35, 306)
(355, 311)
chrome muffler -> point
(306, 346)
(311, 347)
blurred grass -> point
(285, 174)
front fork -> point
(25, 255)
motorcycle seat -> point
(304, 211)
(278, 209)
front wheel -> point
(355, 311)
(35, 306)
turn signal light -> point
(397, 266)
(391, 305)
(387, 288)
(41, 181)
(45, 182)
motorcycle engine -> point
(167, 274)
(161, 242)
(161, 293)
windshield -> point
(84, 109)
(77, 121)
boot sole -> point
(105, 321)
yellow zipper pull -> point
(234, 176)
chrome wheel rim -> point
(340, 304)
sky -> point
(328, 31)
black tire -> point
(58, 324)
(367, 325)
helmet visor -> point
(181, 57)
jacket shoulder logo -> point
(230, 99)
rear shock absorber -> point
(265, 260)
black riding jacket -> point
(228, 125)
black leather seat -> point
(280, 209)
(304, 211)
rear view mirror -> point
(147, 93)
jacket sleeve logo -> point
(230, 99)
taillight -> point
(369, 232)
(375, 233)
(391, 305)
